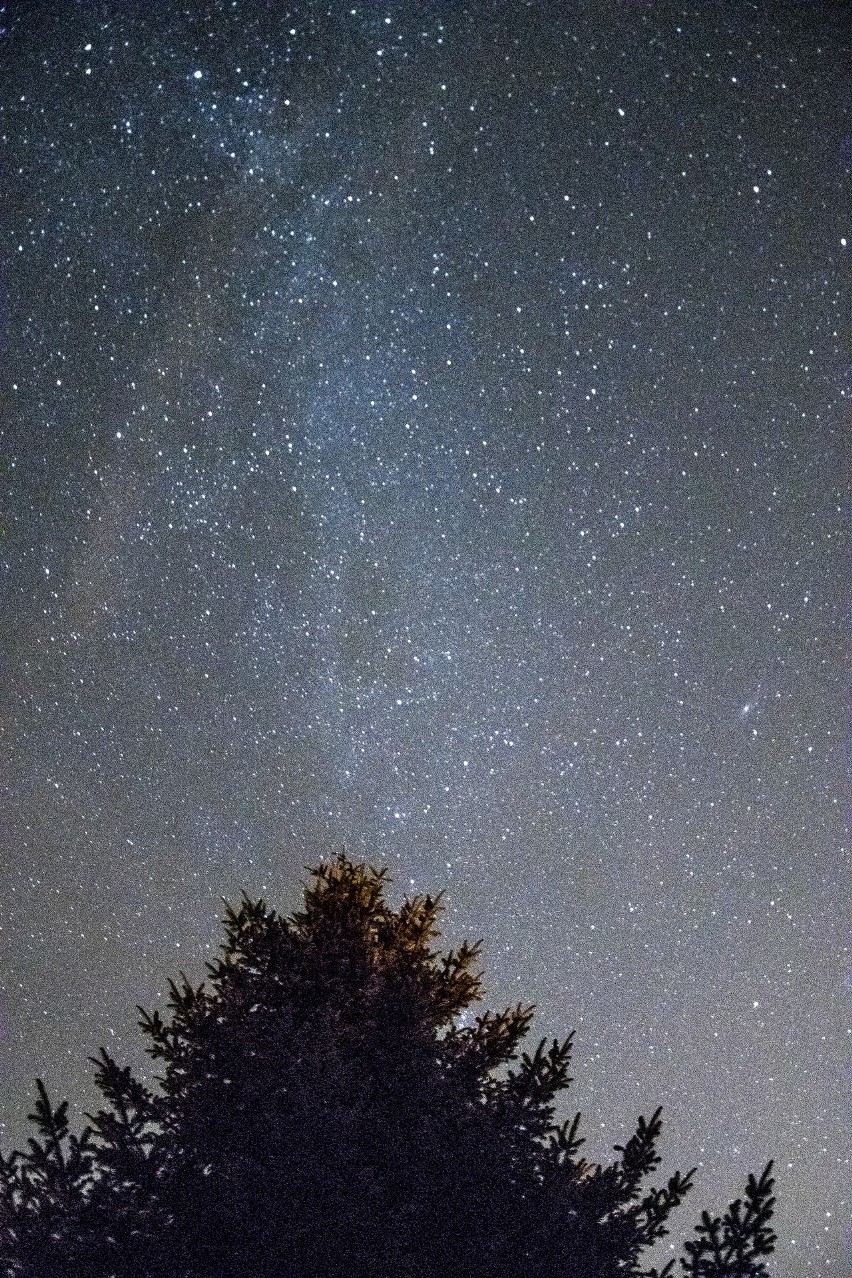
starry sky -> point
(422, 433)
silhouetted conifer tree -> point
(323, 1110)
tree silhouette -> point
(324, 1109)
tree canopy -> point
(323, 1108)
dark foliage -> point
(324, 1110)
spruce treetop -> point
(323, 1108)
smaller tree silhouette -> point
(735, 1244)
(43, 1191)
(324, 1109)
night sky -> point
(423, 433)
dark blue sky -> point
(421, 432)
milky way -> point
(422, 433)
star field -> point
(423, 432)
